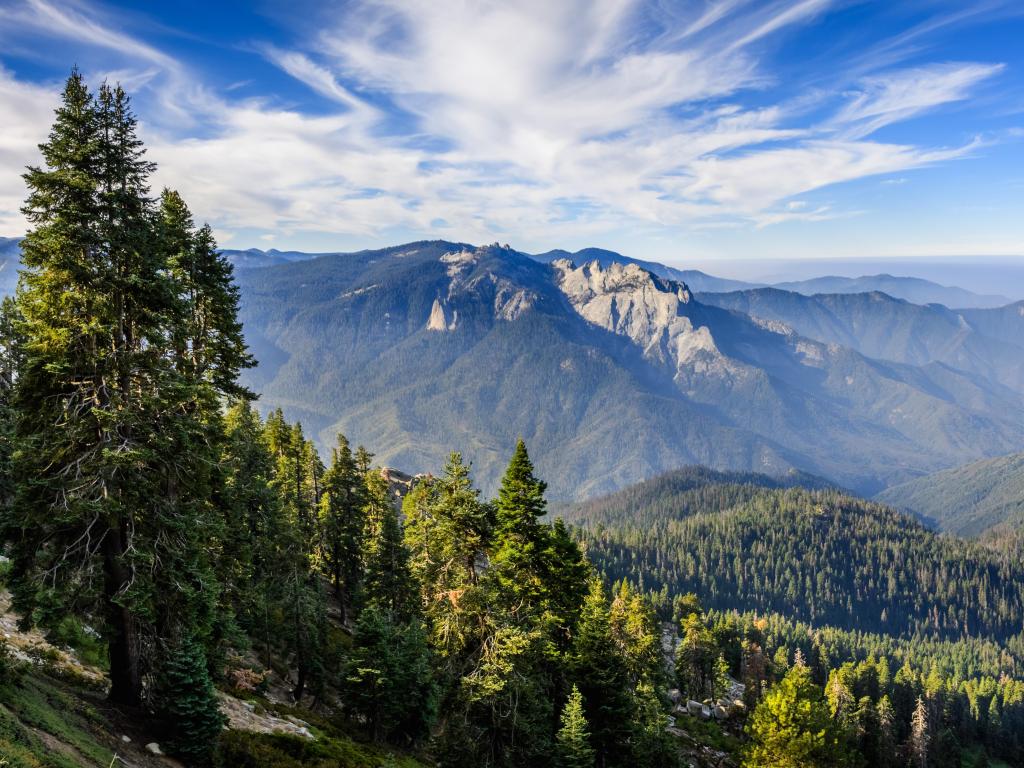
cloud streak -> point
(506, 120)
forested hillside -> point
(968, 500)
(819, 556)
(915, 638)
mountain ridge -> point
(498, 336)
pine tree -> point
(387, 678)
(256, 541)
(111, 452)
(792, 727)
(521, 540)
(186, 702)
(448, 532)
(387, 580)
(573, 739)
(600, 671)
(342, 517)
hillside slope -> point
(967, 500)
(880, 326)
(818, 556)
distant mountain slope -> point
(967, 500)
(883, 327)
(818, 556)
(912, 289)
(612, 375)
(1003, 323)
(10, 261)
(254, 258)
(696, 280)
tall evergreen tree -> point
(573, 740)
(793, 728)
(920, 738)
(388, 581)
(602, 676)
(342, 518)
(109, 501)
(521, 540)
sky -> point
(686, 132)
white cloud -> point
(516, 121)
(903, 94)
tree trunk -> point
(123, 644)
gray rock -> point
(694, 707)
(153, 748)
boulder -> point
(153, 748)
(675, 695)
(694, 707)
(705, 712)
(721, 713)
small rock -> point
(153, 748)
(126, 739)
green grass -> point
(33, 701)
(240, 749)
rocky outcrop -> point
(651, 311)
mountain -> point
(817, 556)
(913, 289)
(1003, 323)
(696, 280)
(254, 258)
(967, 500)
(883, 327)
(10, 261)
(610, 374)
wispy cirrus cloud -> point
(479, 120)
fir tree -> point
(112, 443)
(387, 579)
(573, 739)
(387, 678)
(186, 702)
(520, 539)
(792, 727)
(600, 671)
(342, 516)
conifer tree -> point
(388, 581)
(112, 443)
(342, 518)
(387, 677)
(600, 672)
(792, 727)
(520, 539)
(573, 740)
(448, 532)
(186, 702)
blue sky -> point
(681, 131)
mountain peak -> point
(629, 301)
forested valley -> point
(202, 555)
